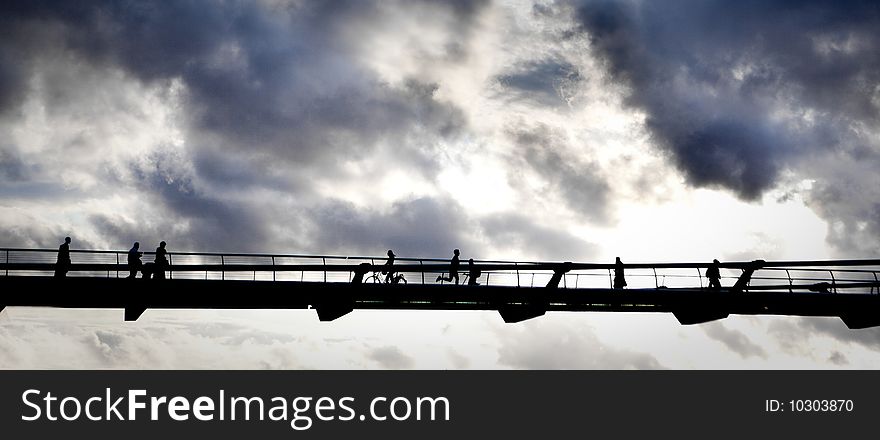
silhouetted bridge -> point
(336, 285)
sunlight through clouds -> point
(557, 130)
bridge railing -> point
(835, 276)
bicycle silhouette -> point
(391, 278)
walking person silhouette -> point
(453, 269)
(134, 260)
(389, 274)
(714, 275)
(62, 264)
(161, 262)
(619, 280)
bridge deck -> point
(332, 300)
(336, 285)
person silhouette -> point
(134, 260)
(360, 272)
(62, 264)
(473, 273)
(161, 262)
(453, 269)
(389, 274)
(713, 273)
(619, 281)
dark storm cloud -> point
(234, 171)
(230, 334)
(836, 329)
(548, 82)
(838, 358)
(788, 335)
(391, 358)
(849, 198)
(279, 80)
(12, 168)
(185, 215)
(20, 180)
(273, 95)
(542, 345)
(537, 241)
(12, 81)
(117, 348)
(192, 223)
(35, 236)
(712, 75)
(793, 335)
(735, 340)
(418, 227)
(172, 341)
(578, 180)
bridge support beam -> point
(512, 313)
(690, 317)
(331, 313)
(859, 320)
(332, 310)
(535, 307)
(563, 269)
(746, 276)
(527, 306)
(132, 313)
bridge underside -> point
(333, 300)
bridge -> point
(336, 285)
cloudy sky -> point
(539, 130)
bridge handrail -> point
(574, 266)
(254, 255)
(523, 269)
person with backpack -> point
(714, 275)
(473, 273)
